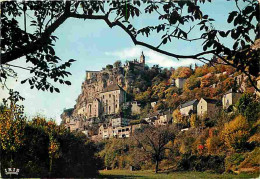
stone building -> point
(75, 125)
(91, 74)
(189, 107)
(135, 64)
(153, 104)
(122, 132)
(207, 106)
(163, 119)
(152, 117)
(230, 98)
(119, 122)
(105, 131)
(179, 82)
(111, 99)
(135, 109)
(66, 115)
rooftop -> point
(231, 91)
(189, 103)
(113, 87)
(214, 101)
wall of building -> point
(111, 101)
(185, 111)
(202, 107)
(179, 82)
(163, 120)
(119, 122)
(136, 109)
(122, 132)
(230, 99)
(91, 74)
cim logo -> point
(12, 171)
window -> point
(103, 96)
(110, 95)
(127, 129)
(116, 105)
(201, 107)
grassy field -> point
(177, 175)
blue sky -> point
(94, 45)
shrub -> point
(248, 107)
(201, 163)
(251, 159)
(232, 161)
(235, 133)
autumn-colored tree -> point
(176, 115)
(182, 72)
(12, 124)
(152, 142)
(194, 122)
(191, 83)
(214, 144)
(144, 96)
(236, 133)
(207, 80)
(54, 148)
(201, 71)
(228, 83)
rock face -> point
(103, 93)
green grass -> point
(178, 175)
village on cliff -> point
(104, 109)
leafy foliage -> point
(177, 20)
(235, 133)
(61, 153)
(249, 107)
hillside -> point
(165, 88)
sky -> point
(94, 45)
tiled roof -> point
(189, 103)
(231, 91)
(213, 101)
(113, 87)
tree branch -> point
(133, 37)
(36, 45)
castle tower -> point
(142, 58)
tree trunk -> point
(156, 166)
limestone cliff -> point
(97, 81)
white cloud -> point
(152, 57)
(126, 53)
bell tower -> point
(142, 58)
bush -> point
(248, 107)
(201, 163)
(251, 159)
(235, 134)
(232, 161)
